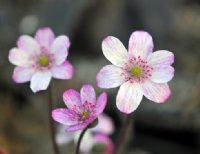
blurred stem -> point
(51, 124)
(123, 133)
(80, 139)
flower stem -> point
(51, 124)
(80, 139)
(123, 133)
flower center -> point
(43, 61)
(136, 71)
(84, 114)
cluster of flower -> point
(138, 72)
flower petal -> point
(19, 57)
(27, 43)
(156, 92)
(160, 58)
(114, 51)
(60, 48)
(77, 127)
(63, 71)
(21, 75)
(88, 94)
(101, 103)
(110, 77)
(140, 44)
(40, 81)
(105, 125)
(162, 74)
(44, 36)
(64, 116)
(129, 97)
(62, 137)
(71, 98)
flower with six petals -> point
(138, 72)
(83, 108)
(41, 58)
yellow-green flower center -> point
(136, 71)
(43, 61)
(85, 114)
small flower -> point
(103, 139)
(93, 137)
(82, 109)
(138, 71)
(41, 58)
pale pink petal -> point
(105, 125)
(88, 94)
(114, 51)
(87, 142)
(62, 137)
(21, 75)
(19, 57)
(63, 71)
(71, 98)
(64, 116)
(162, 74)
(60, 48)
(129, 97)
(40, 81)
(28, 44)
(101, 103)
(80, 126)
(45, 37)
(156, 92)
(160, 58)
(110, 77)
(140, 44)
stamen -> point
(136, 71)
(84, 114)
(43, 61)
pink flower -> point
(94, 136)
(138, 71)
(82, 109)
(41, 58)
(101, 138)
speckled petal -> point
(71, 98)
(80, 126)
(110, 77)
(88, 94)
(140, 44)
(114, 51)
(156, 92)
(44, 36)
(64, 116)
(129, 97)
(101, 103)
(22, 75)
(63, 71)
(60, 48)
(40, 81)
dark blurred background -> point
(170, 128)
